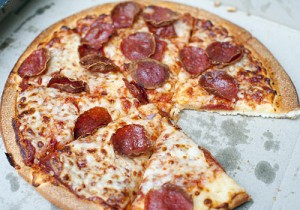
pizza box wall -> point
(287, 12)
(261, 154)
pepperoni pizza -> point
(89, 112)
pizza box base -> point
(261, 154)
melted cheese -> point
(93, 170)
(52, 117)
(179, 161)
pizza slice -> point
(106, 167)
(46, 117)
(182, 175)
(232, 75)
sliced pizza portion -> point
(182, 175)
(52, 113)
(107, 166)
(223, 75)
(147, 49)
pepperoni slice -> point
(138, 45)
(163, 31)
(96, 63)
(149, 73)
(89, 121)
(160, 49)
(224, 53)
(67, 85)
(84, 50)
(169, 197)
(98, 34)
(194, 60)
(131, 140)
(83, 24)
(219, 83)
(159, 16)
(137, 91)
(124, 14)
(35, 64)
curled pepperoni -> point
(35, 64)
(219, 83)
(159, 16)
(84, 50)
(98, 34)
(124, 14)
(194, 60)
(138, 45)
(137, 91)
(131, 140)
(224, 53)
(67, 85)
(163, 31)
(96, 63)
(149, 73)
(169, 197)
(160, 49)
(83, 24)
(89, 121)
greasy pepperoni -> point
(84, 50)
(169, 197)
(83, 24)
(124, 14)
(194, 60)
(159, 16)
(96, 63)
(35, 64)
(67, 85)
(163, 31)
(98, 34)
(89, 121)
(131, 140)
(149, 73)
(219, 83)
(138, 45)
(137, 91)
(27, 152)
(160, 49)
(224, 53)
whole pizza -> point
(89, 111)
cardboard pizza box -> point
(261, 154)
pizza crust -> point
(60, 195)
(288, 100)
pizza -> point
(89, 112)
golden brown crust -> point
(60, 195)
(287, 98)
(239, 199)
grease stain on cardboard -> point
(229, 158)
(265, 172)
(13, 181)
(270, 144)
(235, 131)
